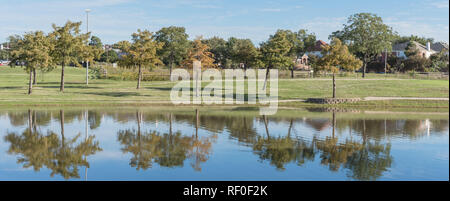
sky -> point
(116, 20)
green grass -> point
(13, 88)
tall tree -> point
(199, 52)
(34, 50)
(69, 45)
(367, 36)
(176, 45)
(218, 47)
(242, 51)
(337, 56)
(275, 52)
(142, 52)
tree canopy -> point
(366, 35)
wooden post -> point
(334, 85)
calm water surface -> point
(189, 144)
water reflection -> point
(361, 147)
(63, 156)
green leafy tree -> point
(242, 51)
(300, 41)
(421, 40)
(367, 36)
(337, 56)
(439, 62)
(275, 52)
(218, 47)
(109, 56)
(176, 45)
(96, 41)
(69, 45)
(141, 53)
(34, 50)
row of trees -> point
(64, 46)
(363, 38)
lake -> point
(188, 143)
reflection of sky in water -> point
(423, 156)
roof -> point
(318, 46)
(403, 46)
(439, 46)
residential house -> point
(424, 51)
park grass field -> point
(101, 92)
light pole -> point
(87, 31)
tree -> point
(96, 41)
(109, 56)
(69, 45)
(34, 50)
(415, 61)
(439, 62)
(300, 42)
(275, 53)
(176, 45)
(337, 56)
(199, 52)
(242, 51)
(421, 40)
(142, 52)
(218, 47)
(367, 36)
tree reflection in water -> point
(63, 156)
(365, 160)
(364, 154)
(167, 150)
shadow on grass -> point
(161, 88)
(69, 86)
(11, 88)
(113, 94)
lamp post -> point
(87, 31)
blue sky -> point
(115, 20)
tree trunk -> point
(364, 68)
(334, 124)
(34, 76)
(62, 79)
(170, 70)
(61, 114)
(292, 72)
(266, 122)
(334, 85)
(139, 77)
(197, 119)
(30, 120)
(267, 77)
(30, 83)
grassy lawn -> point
(13, 88)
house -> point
(317, 49)
(399, 49)
(302, 63)
(440, 46)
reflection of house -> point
(302, 63)
(424, 51)
(318, 124)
